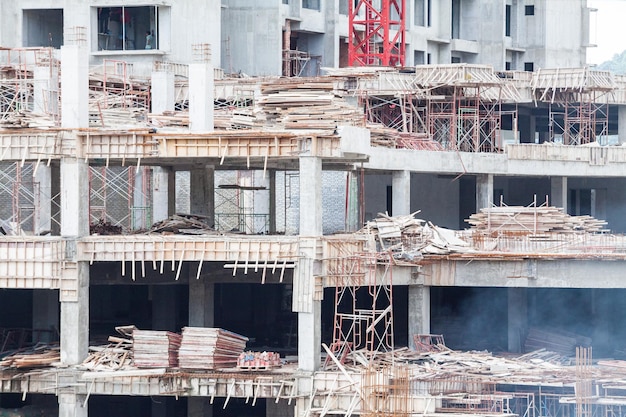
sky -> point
(607, 30)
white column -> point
(419, 312)
(43, 205)
(160, 194)
(74, 190)
(558, 192)
(201, 97)
(484, 191)
(518, 318)
(310, 196)
(621, 124)
(162, 91)
(75, 86)
(308, 309)
(75, 224)
(401, 193)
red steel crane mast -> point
(376, 33)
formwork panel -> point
(31, 263)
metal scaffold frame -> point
(376, 34)
(362, 327)
(21, 92)
(578, 100)
(133, 208)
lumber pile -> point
(186, 224)
(170, 118)
(209, 348)
(258, 360)
(408, 238)
(312, 104)
(38, 357)
(155, 349)
(114, 356)
(26, 119)
(531, 220)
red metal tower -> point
(376, 35)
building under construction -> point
(239, 225)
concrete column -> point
(201, 97)
(139, 211)
(201, 300)
(279, 409)
(401, 193)
(272, 211)
(72, 405)
(309, 310)
(419, 312)
(43, 206)
(621, 124)
(518, 318)
(171, 192)
(199, 407)
(202, 192)
(162, 91)
(46, 315)
(484, 191)
(75, 224)
(75, 84)
(160, 193)
(558, 192)
(310, 196)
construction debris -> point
(258, 360)
(187, 224)
(103, 228)
(408, 238)
(209, 348)
(37, 357)
(558, 341)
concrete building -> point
(114, 118)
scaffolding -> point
(363, 319)
(120, 196)
(578, 103)
(29, 83)
(455, 107)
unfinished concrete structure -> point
(86, 138)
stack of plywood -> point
(531, 220)
(155, 349)
(209, 348)
(312, 104)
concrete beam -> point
(523, 273)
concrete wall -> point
(253, 38)
(436, 196)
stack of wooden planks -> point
(209, 348)
(155, 349)
(531, 220)
(42, 356)
(307, 104)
